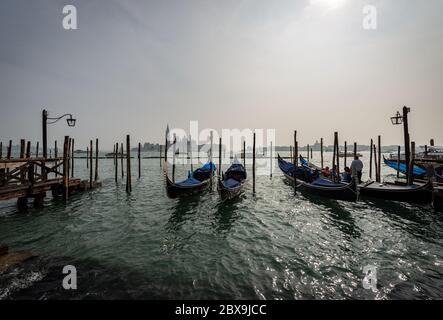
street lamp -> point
(403, 119)
(70, 120)
(398, 119)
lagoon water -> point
(271, 246)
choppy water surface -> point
(271, 246)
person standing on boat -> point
(357, 165)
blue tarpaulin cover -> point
(416, 170)
(231, 183)
(188, 182)
(288, 168)
(207, 167)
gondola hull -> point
(413, 194)
(347, 192)
(174, 190)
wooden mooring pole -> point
(22, 156)
(346, 154)
(91, 172)
(128, 164)
(321, 153)
(308, 152)
(68, 153)
(370, 159)
(294, 162)
(87, 157)
(65, 168)
(9, 150)
(96, 161)
(406, 110)
(334, 166)
(173, 158)
(28, 150)
(72, 159)
(121, 158)
(253, 164)
(338, 157)
(139, 160)
(377, 177)
(116, 162)
(114, 157)
(379, 159)
(244, 154)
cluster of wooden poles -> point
(374, 161)
(118, 156)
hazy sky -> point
(134, 66)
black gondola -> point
(197, 181)
(416, 193)
(329, 189)
(232, 182)
(303, 172)
(309, 182)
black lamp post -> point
(71, 123)
(70, 120)
(403, 119)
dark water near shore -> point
(272, 246)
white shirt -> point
(357, 165)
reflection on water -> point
(274, 245)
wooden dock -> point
(27, 177)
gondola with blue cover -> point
(417, 171)
(303, 172)
(197, 181)
(308, 181)
(231, 184)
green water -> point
(271, 246)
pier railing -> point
(28, 171)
